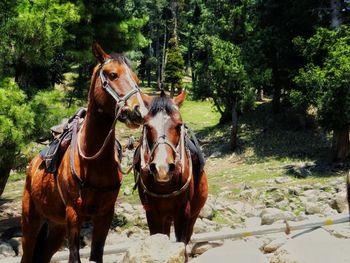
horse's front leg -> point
(99, 234)
(73, 234)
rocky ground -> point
(279, 200)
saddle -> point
(62, 133)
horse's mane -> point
(121, 58)
(161, 103)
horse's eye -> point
(113, 76)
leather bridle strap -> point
(111, 91)
(176, 192)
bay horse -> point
(87, 182)
(169, 190)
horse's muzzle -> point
(162, 174)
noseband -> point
(179, 150)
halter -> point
(120, 102)
(106, 87)
(179, 151)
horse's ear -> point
(179, 99)
(99, 53)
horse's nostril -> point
(153, 168)
(172, 167)
(137, 110)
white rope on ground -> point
(205, 237)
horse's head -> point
(163, 137)
(114, 88)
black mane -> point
(161, 103)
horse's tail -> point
(40, 241)
(348, 191)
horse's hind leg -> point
(53, 242)
(99, 234)
(31, 225)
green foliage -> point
(325, 81)
(223, 76)
(50, 107)
(32, 38)
(16, 124)
(174, 69)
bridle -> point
(106, 87)
(180, 150)
(120, 103)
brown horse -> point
(168, 188)
(87, 182)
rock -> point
(200, 226)
(316, 208)
(275, 244)
(282, 180)
(200, 248)
(232, 251)
(207, 210)
(248, 194)
(155, 249)
(341, 202)
(310, 195)
(6, 250)
(253, 222)
(127, 191)
(127, 207)
(270, 215)
(315, 246)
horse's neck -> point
(95, 131)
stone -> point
(282, 180)
(253, 221)
(339, 230)
(127, 191)
(314, 246)
(200, 226)
(341, 202)
(207, 210)
(248, 194)
(270, 215)
(155, 249)
(200, 248)
(275, 244)
(6, 250)
(232, 251)
(316, 208)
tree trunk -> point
(159, 63)
(234, 129)
(5, 168)
(164, 57)
(172, 90)
(260, 94)
(276, 100)
(336, 18)
(340, 143)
